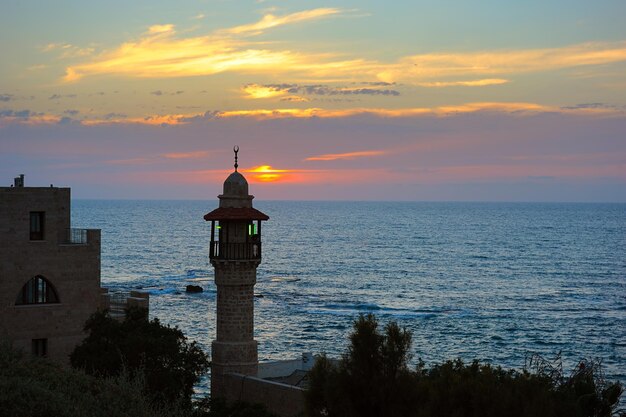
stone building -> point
(235, 253)
(49, 272)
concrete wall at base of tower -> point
(280, 399)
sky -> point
(444, 100)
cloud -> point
(67, 51)
(165, 93)
(347, 155)
(518, 109)
(71, 112)
(162, 53)
(443, 65)
(60, 96)
(186, 155)
(65, 120)
(159, 29)
(275, 90)
(295, 99)
(28, 117)
(159, 53)
(471, 83)
(270, 21)
(7, 97)
(22, 114)
(114, 116)
(590, 106)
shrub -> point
(160, 354)
(35, 387)
(372, 379)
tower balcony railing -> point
(235, 251)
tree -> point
(36, 387)
(160, 354)
(373, 379)
(369, 380)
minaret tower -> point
(235, 253)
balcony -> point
(75, 237)
(235, 251)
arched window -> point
(38, 290)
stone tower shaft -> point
(235, 253)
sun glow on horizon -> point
(267, 173)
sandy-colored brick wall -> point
(234, 349)
(72, 269)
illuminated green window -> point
(252, 229)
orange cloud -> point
(262, 91)
(160, 54)
(512, 108)
(348, 155)
(471, 83)
(186, 155)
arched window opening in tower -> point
(37, 290)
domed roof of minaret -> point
(235, 202)
(235, 185)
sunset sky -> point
(351, 100)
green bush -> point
(35, 387)
(159, 354)
(373, 380)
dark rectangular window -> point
(40, 347)
(37, 224)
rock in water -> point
(193, 288)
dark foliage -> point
(373, 380)
(220, 408)
(35, 387)
(162, 356)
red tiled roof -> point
(235, 214)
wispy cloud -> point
(470, 83)
(518, 109)
(270, 21)
(160, 53)
(347, 155)
(166, 93)
(67, 50)
(186, 155)
(60, 96)
(275, 90)
(445, 65)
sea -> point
(497, 282)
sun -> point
(266, 173)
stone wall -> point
(234, 348)
(281, 399)
(72, 269)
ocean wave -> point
(340, 309)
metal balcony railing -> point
(235, 251)
(75, 237)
